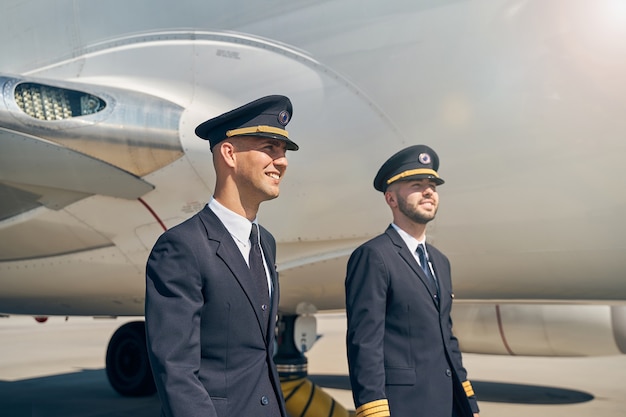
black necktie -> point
(258, 270)
(421, 252)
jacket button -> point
(448, 372)
(264, 307)
(265, 400)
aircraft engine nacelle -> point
(541, 330)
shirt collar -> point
(238, 226)
(410, 241)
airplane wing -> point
(55, 176)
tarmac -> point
(56, 369)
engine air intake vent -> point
(52, 103)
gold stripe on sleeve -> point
(469, 391)
(377, 408)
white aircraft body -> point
(523, 101)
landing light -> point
(52, 103)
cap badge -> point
(283, 117)
(424, 158)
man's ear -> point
(227, 151)
(390, 198)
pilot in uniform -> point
(210, 314)
(404, 360)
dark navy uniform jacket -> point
(403, 358)
(210, 347)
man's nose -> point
(281, 160)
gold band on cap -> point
(378, 408)
(467, 386)
(413, 172)
(257, 129)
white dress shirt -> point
(412, 244)
(239, 228)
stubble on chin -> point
(414, 214)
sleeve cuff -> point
(378, 408)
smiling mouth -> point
(273, 175)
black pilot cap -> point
(265, 117)
(414, 162)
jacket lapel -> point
(270, 256)
(408, 257)
(439, 268)
(228, 251)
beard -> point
(414, 213)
